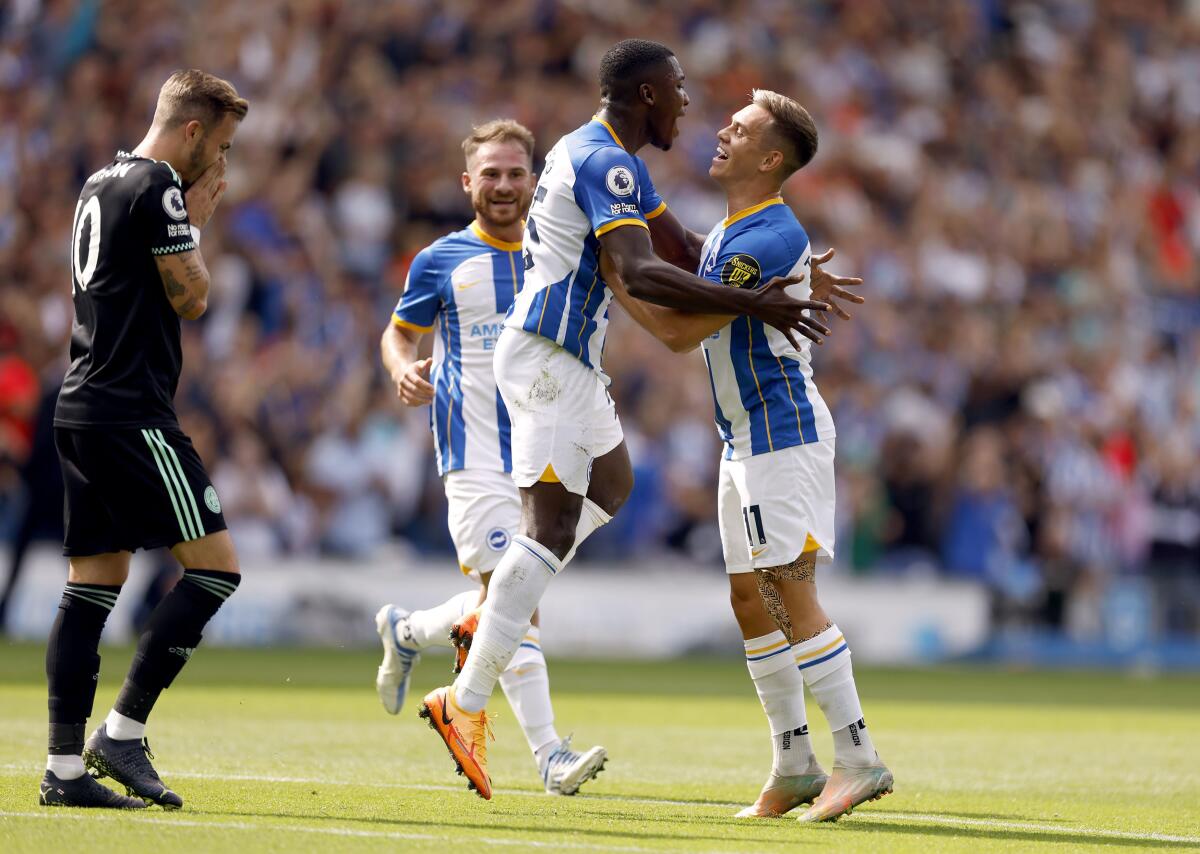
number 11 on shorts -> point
(747, 512)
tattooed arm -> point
(185, 280)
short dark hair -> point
(196, 94)
(623, 64)
(793, 126)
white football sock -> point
(516, 588)
(825, 663)
(123, 728)
(68, 767)
(780, 689)
(431, 627)
(526, 684)
(591, 517)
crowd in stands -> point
(1018, 183)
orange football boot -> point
(466, 736)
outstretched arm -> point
(681, 331)
(649, 278)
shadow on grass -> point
(1005, 834)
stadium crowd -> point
(1018, 183)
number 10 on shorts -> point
(747, 513)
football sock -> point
(516, 588)
(591, 517)
(122, 728)
(171, 636)
(526, 684)
(825, 663)
(780, 689)
(72, 668)
(431, 627)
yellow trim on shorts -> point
(466, 570)
(549, 475)
(810, 545)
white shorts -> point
(562, 416)
(774, 507)
(484, 514)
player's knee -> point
(557, 534)
(745, 600)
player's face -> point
(205, 146)
(499, 180)
(670, 104)
(742, 145)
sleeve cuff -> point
(662, 206)
(617, 223)
(404, 324)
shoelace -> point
(480, 735)
(562, 755)
(146, 747)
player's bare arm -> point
(653, 280)
(185, 280)
(675, 243)
(680, 331)
(410, 375)
(184, 275)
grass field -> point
(285, 750)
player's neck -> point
(155, 147)
(630, 132)
(740, 197)
(511, 233)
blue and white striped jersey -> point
(464, 283)
(762, 386)
(590, 185)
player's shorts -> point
(129, 489)
(484, 514)
(774, 507)
(561, 413)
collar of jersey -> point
(610, 130)
(750, 211)
(503, 245)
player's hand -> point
(413, 388)
(775, 308)
(204, 195)
(827, 287)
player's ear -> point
(192, 130)
(646, 94)
(771, 160)
(466, 182)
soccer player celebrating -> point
(133, 479)
(568, 453)
(464, 283)
(775, 496)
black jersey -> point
(125, 348)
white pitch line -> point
(332, 831)
(924, 818)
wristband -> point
(195, 234)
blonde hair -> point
(197, 95)
(792, 124)
(498, 130)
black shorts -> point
(129, 489)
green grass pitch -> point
(286, 750)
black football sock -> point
(171, 636)
(73, 661)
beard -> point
(487, 212)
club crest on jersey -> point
(497, 539)
(211, 501)
(620, 181)
(172, 202)
(741, 271)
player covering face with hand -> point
(568, 452)
(133, 479)
(460, 288)
(775, 496)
